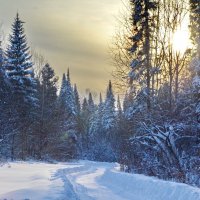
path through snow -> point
(85, 180)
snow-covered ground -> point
(85, 180)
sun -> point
(181, 40)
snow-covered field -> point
(85, 180)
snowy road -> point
(85, 180)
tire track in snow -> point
(103, 181)
(68, 187)
(84, 180)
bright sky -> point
(69, 33)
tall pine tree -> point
(109, 120)
(77, 100)
(19, 66)
(68, 121)
(108, 136)
(21, 77)
(5, 118)
(48, 121)
(143, 24)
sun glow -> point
(181, 40)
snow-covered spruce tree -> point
(108, 119)
(84, 104)
(100, 107)
(86, 119)
(68, 119)
(66, 98)
(84, 124)
(70, 103)
(80, 126)
(5, 126)
(96, 134)
(46, 137)
(143, 23)
(85, 116)
(21, 77)
(119, 109)
(134, 107)
(91, 105)
(2, 76)
(77, 100)
(19, 66)
(109, 125)
(124, 131)
(63, 93)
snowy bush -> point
(161, 152)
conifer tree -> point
(96, 122)
(77, 100)
(91, 105)
(109, 109)
(24, 95)
(70, 96)
(5, 118)
(2, 74)
(85, 116)
(104, 124)
(143, 24)
(100, 107)
(97, 140)
(119, 108)
(63, 117)
(68, 122)
(63, 93)
(90, 119)
(47, 111)
(66, 96)
(19, 66)
(84, 104)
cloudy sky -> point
(69, 33)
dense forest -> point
(154, 129)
